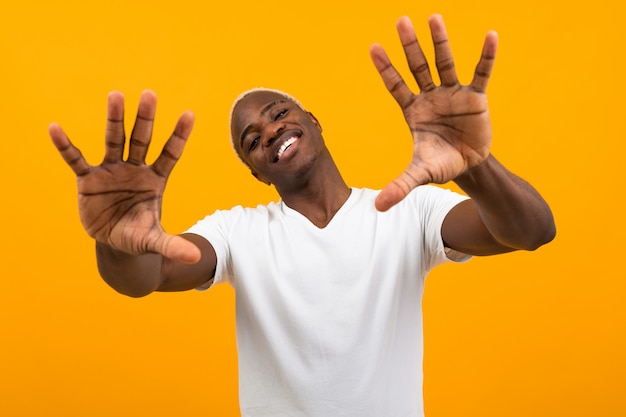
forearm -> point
(130, 275)
(511, 209)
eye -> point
(253, 143)
(281, 114)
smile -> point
(285, 146)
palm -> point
(119, 204)
(450, 123)
(451, 133)
(120, 200)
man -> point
(329, 279)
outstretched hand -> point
(450, 123)
(120, 200)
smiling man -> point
(282, 144)
(328, 280)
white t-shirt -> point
(329, 320)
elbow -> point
(542, 237)
(529, 237)
(551, 233)
(133, 293)
(128, 288)
(542, 231)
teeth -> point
(286, 145)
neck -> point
(320, 198)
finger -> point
(414, 55)
(485, 65)
(142, 131)
(70, 153)
(443, 53)
(392, 79)
(182, 250)
(400, 187)
(115, 136)
(174, 146)
(179, 249)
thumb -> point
(179, 249)
(391, 195)
(399, 188)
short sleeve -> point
(214, 229)
(434, 204)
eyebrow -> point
(263, 111)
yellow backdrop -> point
(541, 334)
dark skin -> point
(305, 175)
(120, 200)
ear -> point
(260, 178)
(315, 121)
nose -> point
(271, 131)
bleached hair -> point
(247, 93)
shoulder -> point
(423, 199)
(427, 198)
(239, 211)
(236, 216)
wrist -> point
(478, 173)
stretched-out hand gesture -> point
(120, 200)
(450, 123)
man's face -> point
(275, 137)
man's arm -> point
(505, 213)
(120, 205)
(451, 129)
(140, 275)
(449, 123)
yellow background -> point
(525, 334)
